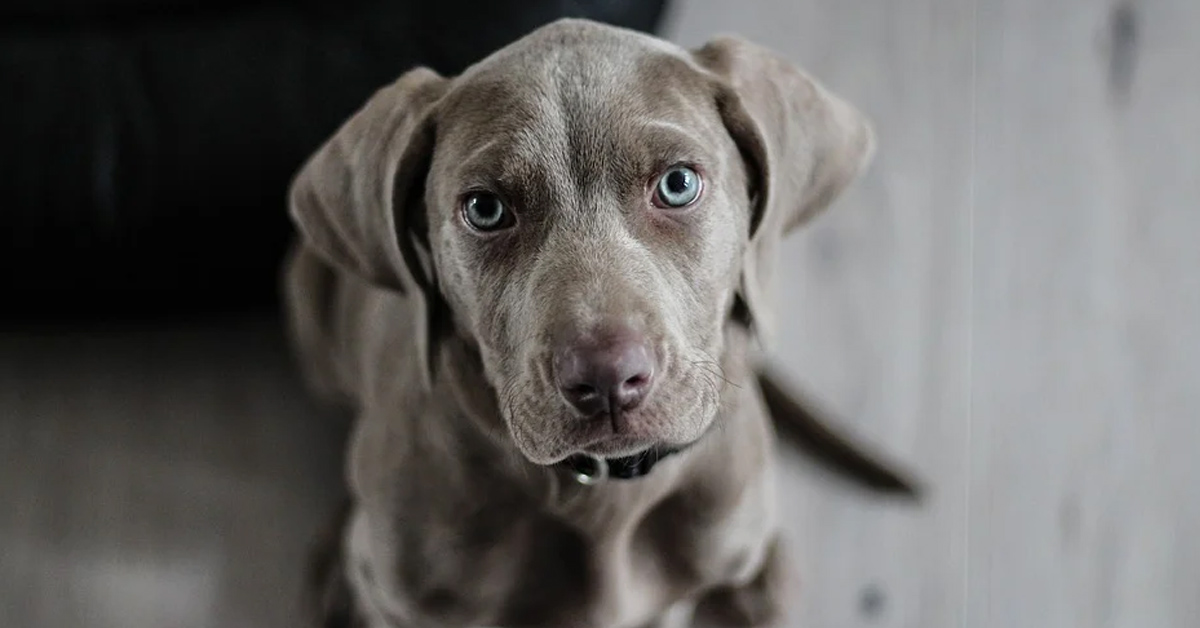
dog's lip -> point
(619, 447)
(596, 437)
(599, 441)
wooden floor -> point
(158, 479)
(1010, 300)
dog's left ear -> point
(802, 146)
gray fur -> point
(440, 337)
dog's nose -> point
(613, 373)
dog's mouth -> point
(548, 432)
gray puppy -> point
(539, 285)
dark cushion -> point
(147, 144)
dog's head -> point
(593, 207)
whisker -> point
(715, 370)
(713, 362)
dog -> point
(543, 287)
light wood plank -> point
(1086, 353)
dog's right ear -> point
(358, 200)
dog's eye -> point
(678, 187)
(486, 212)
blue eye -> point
(678, 187)
(485, 211)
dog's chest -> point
(609, 568)
(622, 571)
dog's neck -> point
(593, 469)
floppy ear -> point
(802, 145)
(358, 201)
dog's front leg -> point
(335, 589)
(758, 603)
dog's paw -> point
(678, 616)
(759, 603)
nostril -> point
(581, 390)
(629, 393)
(637, 381)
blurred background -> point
(1009, 300)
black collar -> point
(594, 470)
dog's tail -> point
(800, 422)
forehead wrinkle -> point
(570, 126)
(579, 108)
(525, 142)
(506, 153)
(666, 126)
(479, 153)
(616, 134)
(662, 141)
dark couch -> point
(146, 145)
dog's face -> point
(587, 213)
(592, 205)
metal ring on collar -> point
(588, 469)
